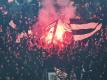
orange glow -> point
(49, 36)
(59, 31)
(54, 36)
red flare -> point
(56, 36)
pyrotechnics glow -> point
(57, 35)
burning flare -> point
(58, 34)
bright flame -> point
(55, 33)
(60, 31)
(56, 36)
(49, 35)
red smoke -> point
(53, 11)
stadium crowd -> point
(20, 59)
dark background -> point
(85, 60)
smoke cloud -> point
(52, 10)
